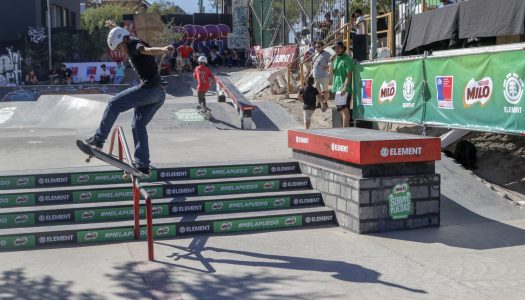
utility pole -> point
(284, 23)
(312, 21)
(373, 26)
(262, 24)
(201, 6)
(393, 29)
(49, 32)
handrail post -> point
(149, 224)
(120, 147)
(136, 210)
(288, 77)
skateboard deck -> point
(207, 115)
(110, 159)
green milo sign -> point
(257, 224)
(17, 182)
(89, 178)
(239, 187)
(112, 194)
(17, 242)
(17, 200)
(400, 201)
(251, 204)
(222, 172)
(116, 213)
(17, 220)
(122, 234)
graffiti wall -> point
(239, 38)
(10, 67)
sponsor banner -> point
(55, 238)
(295, 183)
(52, 180)
(97, 178)
(227, 172)
(90, 71)
(180, 190)
(284, 168)
(17, 220)
(389, 91)
(174, 174)
(17, 242)
(185, 208)
(319, 218)
(56, 197)
(238, 187)
(17, 200)
(247, 204)
(113, 194)
(400, 201)
(58, 216)
(122, 234)
(479, 91)
(117, 213)
(191, 228)
(306, 200)
(281, 56)
(17, 182)
(257, 224)
(339, 146)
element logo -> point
(366, 91)
(307, 219)
(384, 152)
(477, 91)
(387, 92)
(408, 89)
(513, 88)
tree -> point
(164, 8)
(93, 18)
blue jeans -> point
(146, 102)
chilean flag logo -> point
(445, 91)
(366, 91)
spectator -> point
(325, 26)
(12, 83)
(320, 68)
(65, 75)
(214, 57)
(236, 60)
(120, 73)
(185, 52)
(54, 75)
(105, 76)
(174, 61)
(31, 78)
(342, 67)
(307, 59)
(309, 95)
(445, 3)
(198, 54)
(359, 23)
(165, 68)
(226, 58)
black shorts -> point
(347, 105)
(202, 97)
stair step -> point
(104, 175)
(81, 234)
(68, 214)
(36, 197)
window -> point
(65, 17)
(73, 20)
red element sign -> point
(281, 56)
(368, 149)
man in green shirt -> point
(342, 67)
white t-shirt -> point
(360, 25)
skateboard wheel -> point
(125, 176)
(88, 159)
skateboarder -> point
(146, 98)
(204, 78)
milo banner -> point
(389, 91)
(481, 91)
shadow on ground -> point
(14, 284)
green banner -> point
(16, 200)
(257, 224)
(17, 182)
(122, 234)
(116, 213)
(389, 91)
(238, 187)
(113, 194)
(243, 205)
(89, 178)
(17, 242)
(17, 220)
(227, 172)
(479, 91)
(400, 201)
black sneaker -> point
(92, 141)
(144, 170)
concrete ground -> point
(477, 253)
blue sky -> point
(190, 6)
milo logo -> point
(21, 241)
(88, 214)
(86, 196)
(268, 185)
(217, 206)
(226, 226)
(163, 230)
(200, 172)
(22, 199)
(83, 178)
(156, 210)
(22, 181)
(209, 189)
(400, 188)
(278, 202)
(91, 236)
(290, 220)
(258, 170)
(152, 192)
(21, 219)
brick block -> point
(321, 184)
(341, 204)
(420, 192)
(435, 191)
(330, 201)
(434, 221)
(328, 175)
(426, 207)
(390, 182)
(373, 212)
(346, 192)
(389, 225)
(334, 188)
(362, 197)
(314, 171)
(340, 179)
(369, 183)
(378, 196)
(418, 223)
(368, 227)
(352, 182)
(352, 209)
(356, 226)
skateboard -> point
(206, 115)
(91, 152)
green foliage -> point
(165, 7)
(93, 19)
(167, 36)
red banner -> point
(281, 56)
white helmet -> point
(202, 59)
(116, 36)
